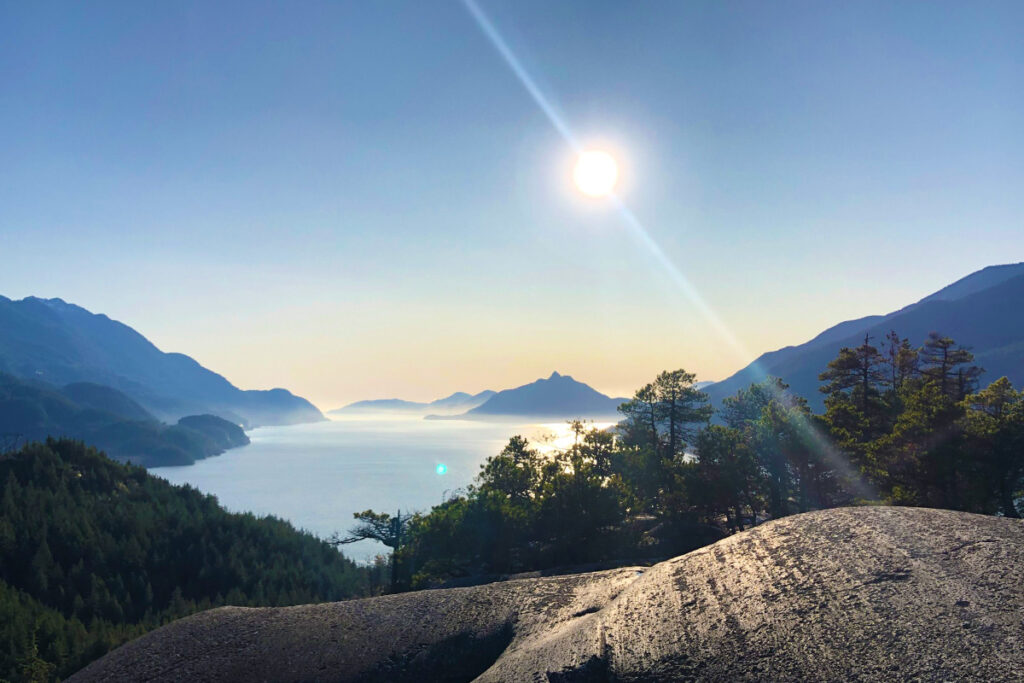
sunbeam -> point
(506, 53)
(642, 235)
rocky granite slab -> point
(852, 594)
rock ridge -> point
(870, 593)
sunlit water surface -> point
(316, 476)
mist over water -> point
(317, 475)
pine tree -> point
(942, 362)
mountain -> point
(558, 396)
(60, 343)
(458, 402)
(93, 553)
(461, 401)
(981, 311)
(380, 405)
(106, 418)
(850, 594)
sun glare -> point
(595, 173)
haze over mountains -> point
(60, 343)
(556, 397)
(75, 353)
(983, 311)
(459, 402)
(108, 419)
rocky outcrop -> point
(838, 595)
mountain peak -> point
(545, 398)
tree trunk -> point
(739, 514)
(672, 426)
(1006, 499)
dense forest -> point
(93, 553)
(901, 426)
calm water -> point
(316, 476)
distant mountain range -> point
(557, 397)
(983, 311)
(108, 419)
(459, 402)
(60, 343)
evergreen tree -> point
(856, 372)
(901, 361)
(726, 478)
(681, 409)
(994, 425)
(943, 363)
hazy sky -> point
(360, 200)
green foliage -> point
(93, 553)
(526, 511)
(726, 476)
(921, 437)
(666, 413)
(901, 426)
(994, 432)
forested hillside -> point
(93, 552)
(105, 417)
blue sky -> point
(360, 200)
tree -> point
(681, 408)
(901, 360)
(920, 461)
(861, 404)
(942, 362)
(640, 427)
(725, 476)
(661, 419)
(580, 503)
(514, 472)
(378, 526)
(994, 426)
(856, 372)
(665, 414)
(745, 408)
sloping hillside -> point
(846, 594)
(981, 311)
(60, 343)
(111, 421)
(93, 552)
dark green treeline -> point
(903, 425)
(93, 553)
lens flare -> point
(810, 431)
(441, 469)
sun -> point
(595, 173)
